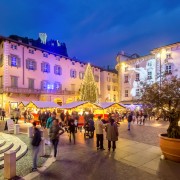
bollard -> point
(30, 131)
(9, 164)
(42, 147)
(16, 129)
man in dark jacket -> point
(130, 117)
(36, 145)
(54, 134)
(71, 129)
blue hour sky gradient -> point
(95, 30)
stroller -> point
(88, 130)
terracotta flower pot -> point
(170, 147)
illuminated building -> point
(40, 70)
(132, 69)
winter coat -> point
(112, 132)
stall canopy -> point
(78, 104)
(43, 104)
(23, 103)
(105, 105)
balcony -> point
(19, 90)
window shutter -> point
(60, 70)
(74, 73)
(27, 63)
(55, 69)
(48, 68)
(9, 60)
(35, 65)
(42, 67)
(1, 60)
(18, 62)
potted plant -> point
(163, 98)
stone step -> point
(16, 148)
(8, 145)
(2, 142)
(19, 146)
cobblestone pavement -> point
(83, 162)
(147, 134)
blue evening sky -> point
(95, 30)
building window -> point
(58, 58)
(168, 56)
(31, 51)
(108, 79)
(115, 88)
(168, 69)
(137, 77)
(137, 92)
(114, 80)
(31, 83)
(114, 97)
(44, 85)
(137, 66)
(45, 67)
(150, 64)
(96, 78)
(126, 80)
(14, 61)
(73, 73)
(1, 81)
(30, 64)
(126, 93)
(58, 86)
(81, 75)
(149, 75)
(14, 81)
(45, 55)
(13, 46)
(73, 63)
(108, 87)
(82, 65)
(126, 69)
(57, 70)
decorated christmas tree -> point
(89, 90)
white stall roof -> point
(105, 105)
(45, 104)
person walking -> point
(99, 133)
(3, 114)
(49, 125)
(112, 134)
(54, 134)
(130, 117)
(36, 145)
(25, 116)
(71, 130)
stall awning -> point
(106, 105)
(78, 104)
(43, 104)
(23, 103)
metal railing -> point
(35, 91)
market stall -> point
(35, 106)
(109, 107)
(80, 107)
